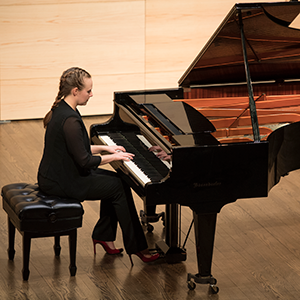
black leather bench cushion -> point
(32, 211)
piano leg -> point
(170, 247)
(205, 225)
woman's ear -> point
(74, 91)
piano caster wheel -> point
(202, 280)
(214, 289)
(150, 228)
(146, 220)
(191, 285)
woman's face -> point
(86, 93)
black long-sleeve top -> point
(74, 136)
(65, 168)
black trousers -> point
(117, 205)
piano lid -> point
(177, 117)
(272, 45)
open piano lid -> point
(272, 46)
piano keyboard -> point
(141, 167)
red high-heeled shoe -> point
(144, 258)
(106, 248)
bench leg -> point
(26, 255)
(72, 248)
(11, 239)
(57, 246)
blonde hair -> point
(71, 78)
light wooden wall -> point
(125, 45)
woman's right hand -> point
(120, 155)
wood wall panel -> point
(34, 98)
(38, 42)
(46, 2)
(125, 45)
(175, 33)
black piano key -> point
(143, 164)
(146, 160)
(149, 156)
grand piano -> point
(229, 131)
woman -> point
(69, 168)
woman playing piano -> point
(69, 168)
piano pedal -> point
(202, 280)
(145, 220)
(172, 255)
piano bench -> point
(37, 215)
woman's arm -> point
(98, 149)
(75, 144)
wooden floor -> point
(256, 256)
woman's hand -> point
(114, 153)
(120, 155)
(114, 149)
(125, 156)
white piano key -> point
(107, 140)
(133, 167)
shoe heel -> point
(130, 260)
(94, 243)
(106, 248)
